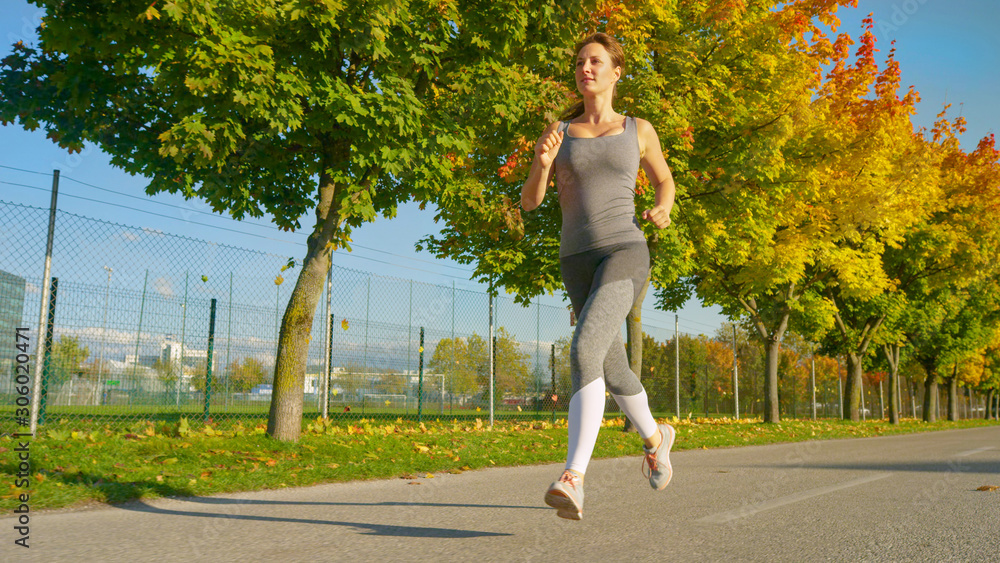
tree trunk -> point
(852, 388)
(953, 394)
(892, 354)
(285, 417)
(930, 397)
(633, 334)
(989, 404)
(772, 349)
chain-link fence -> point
(127, 338)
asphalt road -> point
(900, 498)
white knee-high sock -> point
(586, 410)
(636, 408)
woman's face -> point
(595, 72)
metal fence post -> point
(409, 332)
(229, 337)
(138, 334)
(368, 306)
(327, 340)
(47, 351)
(677, 365)
(184, 307)
(329, 355)
(420, 379)
(36, 387)
(208, 362)
(812, 365)
(492, 352)
(736, 376)
(538, 344)
(554, 397)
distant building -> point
(11, 315)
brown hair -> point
(617, 54)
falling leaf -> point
(204, 278)
(278, 280)
(343, 324)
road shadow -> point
(367, 528)
(956, 465)
(233, 501)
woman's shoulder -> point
(642, 126)
(646, 135)
(552, 127)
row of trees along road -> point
(805, 199)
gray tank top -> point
(595, 179)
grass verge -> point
(78, 467)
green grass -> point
(72, 465)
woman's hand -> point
(659, 215)
(547, 148)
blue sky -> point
(948, 50)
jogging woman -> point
(595, 154)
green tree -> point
(513, 370)
(68, 357)
(451, 357)
(199, 375)
(166, 372)
(245, 374)
(339, 109)
(352, 379)
(946, 268)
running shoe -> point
(566, 496)
(658, 460)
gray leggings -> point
(602, 285)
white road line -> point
(975, 451)
(751, 509)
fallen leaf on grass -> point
(988, 488)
